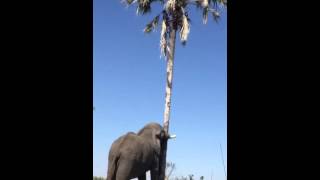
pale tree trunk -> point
(170, 58)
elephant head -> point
(132, 155)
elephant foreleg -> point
(142, 177)
(123, 172)
(154, 174)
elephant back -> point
(153, 126)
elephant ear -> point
(160, 135)
(159, 138)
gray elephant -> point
(132, 155)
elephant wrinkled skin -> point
(132, 155)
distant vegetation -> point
(98, 178)
(189, 177)
(169, 169)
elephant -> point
(132, 155)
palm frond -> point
(144, 6)
(155, 22)
(128, 2)
(187, 15)
(170, 5)
(144, 2)
(217, 3)
(189, 20)
(185, 30)
(223, 2)
(182, 3)
(215, 14)
(148, 28)
(204, 3)
(205, 15)
(152, 25)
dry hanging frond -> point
(215, 15)
(144, 3)
(171, 5)
(131, 1)
(205, 15)
(144, 6)
(163, 37)
(223, 3)
(204, 3)
(127, 3)
(185, 29)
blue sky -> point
(129, 87)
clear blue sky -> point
(129, 87)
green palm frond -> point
(152, 25)
(215, 14)
(155, 22)
(205, 15)
(128, 2)
(216, 3)
(223, 2)
(187, 16)
(148, 28)
(144, 6)
(181, 3)
(176, 10)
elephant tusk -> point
(172, 136)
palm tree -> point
(174, 18)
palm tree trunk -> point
(170, 58)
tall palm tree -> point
(174, 18)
